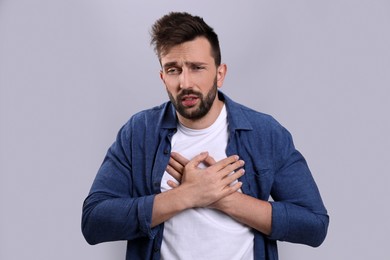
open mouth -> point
(189, 100)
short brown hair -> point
(179, 27)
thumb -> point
(198, 159)
(210, 161)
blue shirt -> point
(119, 205)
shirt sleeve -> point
(110, 212)
(298, 212)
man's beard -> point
(204, 105)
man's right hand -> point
(205, 186)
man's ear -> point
(221, 73)
(162, 76)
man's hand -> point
(205, 186)
(175, 168)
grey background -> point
(72, 72)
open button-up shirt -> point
(119, 205)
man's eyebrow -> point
(196, 63)
(170, 64)
(187, 63)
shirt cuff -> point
(145, 208)
(280, 223)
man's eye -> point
(198, 67)
(172, 71)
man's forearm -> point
(247, 210)
(168, 204)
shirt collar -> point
(236, 117)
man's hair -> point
(178, 27)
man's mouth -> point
(189, 100)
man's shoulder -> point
(151, 117)
(152, 112)
(244, 115)
(260, 126)
(255, 113)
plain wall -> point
(72, 72)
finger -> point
(222, 164)
(231, 168)
(172, 184)
(228, 180)
(175, 165)
(179, 158)
(197, 160)
(233, 188)
(175, 174)
(210, 161)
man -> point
(192, 178)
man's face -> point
(191, 78)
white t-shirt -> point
(203, 233)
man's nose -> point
(185, 79)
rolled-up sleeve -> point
(111, 211)
(298, 212)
